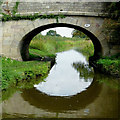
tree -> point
(58, 35)
(79, 34)
(114, 10)
(112, 24)
(52, 33)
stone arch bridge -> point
(85, 16)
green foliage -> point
(1, 2)
(0, 6)
(111, 64)
(112, 25)
(19, 86)
(86, 47)
(110, 81)
(35, 53)
(86, 72)
(7, 17)
(79, 34)
(15, 71)
(114, 10)
(30, 17)
(15, 8)
(112, 30)
(35, 16)
(53, 44)
(52, 33)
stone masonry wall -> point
(72, 8)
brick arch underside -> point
(24, 44)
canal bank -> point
(107, 65)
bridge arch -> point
(24, 44)
(19, 48)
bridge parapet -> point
(65, 8)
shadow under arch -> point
(62, 104)
(24, 44)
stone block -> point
(15, 43)
(1, 33)
(0, 44)
(6, 50)
(1, 39)
(114, 52)
(26, 30)
(116, 47)
(7, 41)
(105, 51)
(0, 24)
(6, 34)
(15, 53)
(36, 24)
(68, 20)
(51, 21)
(43, 22)
(17, 37)
(98, 33)
(101, 37)
(31, 27)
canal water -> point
(72, 89)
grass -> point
(35, 54)
(49, 45)
(110, 65)
(15, 71)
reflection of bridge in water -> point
(95, 102)
(85, 16)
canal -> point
(72, 89)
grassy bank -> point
(110, 65)
(14, 71)
(49, 45)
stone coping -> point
(72, 13)
(48, 1)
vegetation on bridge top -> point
(13, 15)
(31, 17)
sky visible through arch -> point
(63, 31)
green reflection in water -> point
(85, 71)
(25, 84)
(110, 81)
